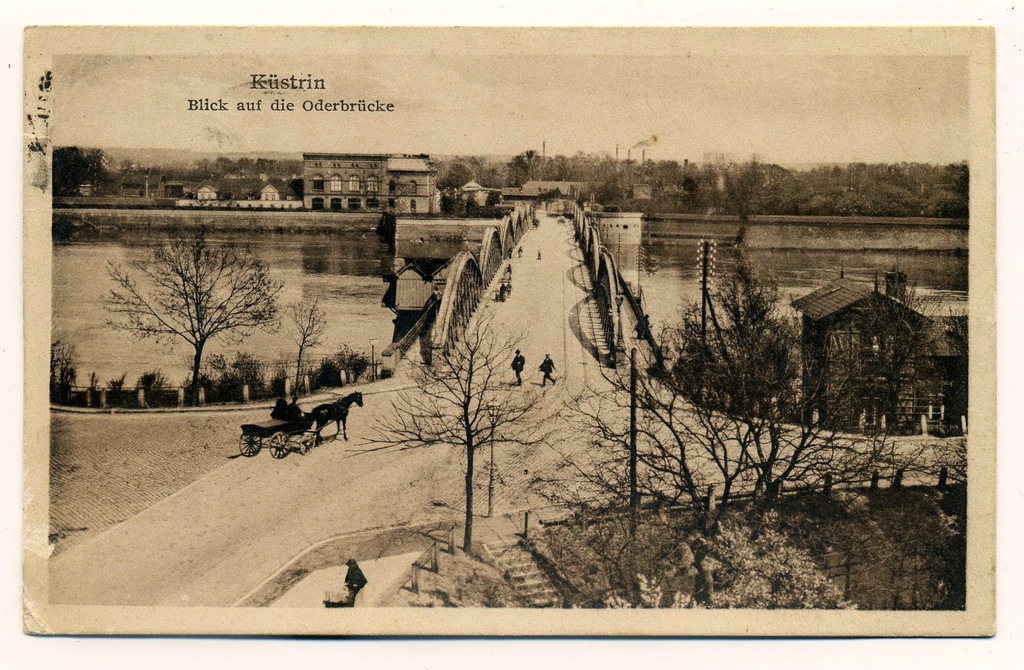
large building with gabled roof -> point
(398, 183)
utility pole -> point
(634, 495)
(490, 484)
(704, 262)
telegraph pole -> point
(634, 495)
(704, 261)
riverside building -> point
(399, 183)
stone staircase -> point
(522, 572)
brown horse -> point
(337, 412)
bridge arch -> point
(491, 255)
(459, 300)
(606, 293)
(508, 236)
(593, 252)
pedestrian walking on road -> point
(518, 364)
(547, 367)
(355, 580)
(520, 251)
(538, 254)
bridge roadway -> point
(213, 540)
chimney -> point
(896, 285)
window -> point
(392, 186)
(353, 183)
(372, 185)
(318, 203)
(354, 203)
(372, 203)
(318, 183)
(336, 183)
(335, 204)
(412, 187)
(412, 206)
(391, 202)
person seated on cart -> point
(284, 412)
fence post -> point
(202, 396)
(415, 587)
(862, 420)
(526, 525)
(181, 397)
(874, 481)
(827, 489)
(943, 474)
(963, 424)
(924, 423)
(709, 499)
(245, 393)
(141, 395)
(451, 540)
(88, 397)
(897, 480)
(103, 398)
(434, 562)
(882, 422)
(305, 384)
(287, 386)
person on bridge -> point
(355, 580)
(547, 367)
(518, 364)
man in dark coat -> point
(518, 365)
(547, 367)
(355, 580)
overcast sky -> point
(787, 109)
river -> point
(343, 271)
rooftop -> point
(832, 298)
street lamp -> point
(373, 359)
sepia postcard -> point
(509, 331)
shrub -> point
(356, 362)
(223, 378)
(63, 369)
(152, 381)
(329, 373)
(117, 385)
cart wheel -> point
(279, 445)
(249, 445)
(306, 444)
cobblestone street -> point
(158, 508)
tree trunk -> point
(298, 376)
(197, 360)
(467, 537)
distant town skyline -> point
(786, 109)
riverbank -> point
(66, 222)
(814, 232)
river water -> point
(343, 271)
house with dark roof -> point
(871, 359)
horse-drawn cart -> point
(281, 437)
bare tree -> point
(196, 292)
(729, 409)
(464, 399)
(307, 328)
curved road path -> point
(213, 540)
